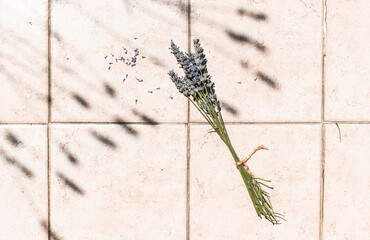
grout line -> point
(120, 123)
(322, 167)
(188, 134)
(247, 123)
(322, 181)
(49, 116)
(188, 184)
(286, 123)
(185, 123)
(324, 30)
(25, 123)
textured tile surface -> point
(264, 56)
(109, 184)
(23, 182)
(112, 181)
(220, 204)
(347, 86)
(83, 87)
(23, 61)
(346, 205)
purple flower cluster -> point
(130, 61)
(196, 82)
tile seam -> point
(184, 123)
(187, 237)
(49, 116)
(322, 165)
(181, 123)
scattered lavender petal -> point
(171, 97)
(105, 57)
(239, 82)
(158, 88)
(142, 56)
(150, 91)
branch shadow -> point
(268, 80)
(13, 140)
(256, 16)
(82, 101)
(242, 38)
(70, 156)
(229, 108)
(145, 118)
(48, 230)
(17, 164)
(130, 130)
(103, 139)
(69, 183)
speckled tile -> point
(220, 205)
(88, 82)
(264, 57)
(23, 61)
(347, 86)
(23, 182)
(346, 196)
(118, 181)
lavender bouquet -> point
(197, 86)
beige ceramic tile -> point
(220, 205)
(118, 182)
(23, 61)
(346, 197)
(85, 32)
(347, 86)
(264, 56)
(23, 182)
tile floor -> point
(94, 145)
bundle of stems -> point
(197, 86)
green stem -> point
(260, 198)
